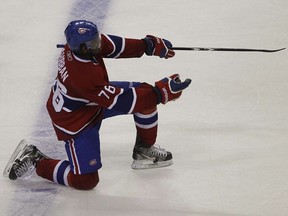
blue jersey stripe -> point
(61, 171)
(126, 101)
(146, 121)
(72, 104)
(118, 43)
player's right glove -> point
(158, 47)
(170, 88)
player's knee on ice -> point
(85, 181)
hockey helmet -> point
(82, 32)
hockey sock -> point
(59, 172)
(54, 170)
(147, 125)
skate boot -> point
(23, 160)
(148, 157)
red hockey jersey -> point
(81, 89)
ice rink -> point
(228, 131)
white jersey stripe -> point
(75, 162)
(55, 171)
(115, 99)
(146, 116)
(114, 48)
(65, 177)
(146, 126)
(134, 100)
(75, 132)
(122, 48)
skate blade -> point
(16, 154)
(148, 164)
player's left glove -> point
(158, 47)
(170, 88)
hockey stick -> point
(225, 49)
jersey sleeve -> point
(124, 97)
(118, 47)
(135, 98)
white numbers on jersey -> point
(58, 100)
(107, 89)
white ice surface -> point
(228, 132)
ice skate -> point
(146, 157)
(22, 160)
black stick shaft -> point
(225, 49)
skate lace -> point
(157, 151)
(23, 167)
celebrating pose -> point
(82, 96)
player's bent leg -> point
(59, 171)
(84, 181)
(146, 123)
(27, 157)
(146, 155)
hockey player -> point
(82, 96)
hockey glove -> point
(170, 88)
(158, 47)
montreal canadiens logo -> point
(82, 30)
(92, 162)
